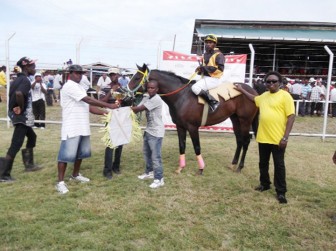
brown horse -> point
(186, 112)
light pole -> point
(7, 74)
(78, 51)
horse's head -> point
(139, 79)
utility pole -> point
(78, 51)
(174, 42)
(7, 74)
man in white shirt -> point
(75, 144)
(39, 89)
(103, 82)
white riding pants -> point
(205, 83)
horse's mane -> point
(172, 74)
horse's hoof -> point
(178, 170)
(232, 167)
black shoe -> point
(7, 179)
(116, 171)
(262, 188)
(282, 199)
(108, 175)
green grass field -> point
(217, 211)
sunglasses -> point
(272, 81)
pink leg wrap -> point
(200, 161)
(182, 161)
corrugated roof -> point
(270, 34)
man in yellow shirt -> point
(276, 121)
(3, 79)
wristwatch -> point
(284, 139)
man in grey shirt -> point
(153, 136)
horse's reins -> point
(181, 88)
(145, 77)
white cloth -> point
(103, 83)
(75, 112)
(205, 83)
(85, 82)
(37, 93)
(57, 81)
(120, 129)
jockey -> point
(211, 70)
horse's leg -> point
(182, 135)
(245, 136)
(239, 141)
(193, 132)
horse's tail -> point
(255, 124)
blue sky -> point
(129, 32)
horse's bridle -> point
(145, 77)
(144, 80)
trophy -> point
(118, 96)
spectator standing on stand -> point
(305, 96)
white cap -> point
(312, 80)
(37, 75)
(113, 70)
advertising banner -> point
(184, 65)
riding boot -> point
(28, 160)
(213, 103)
(6, 166)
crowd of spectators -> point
(309, 95)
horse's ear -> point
(138, 67)
(145, 67)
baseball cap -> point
(25, 61)
(37, 75)
(113, 70)
(75, 68)
(211, 38)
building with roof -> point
(295, 49)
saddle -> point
(225, 90)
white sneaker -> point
(144, 176)
(80, 178)
(157, 183)
(61, 187)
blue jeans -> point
(75, 148)
(152, 155)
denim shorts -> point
(74, 148)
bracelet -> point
(284, 139)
